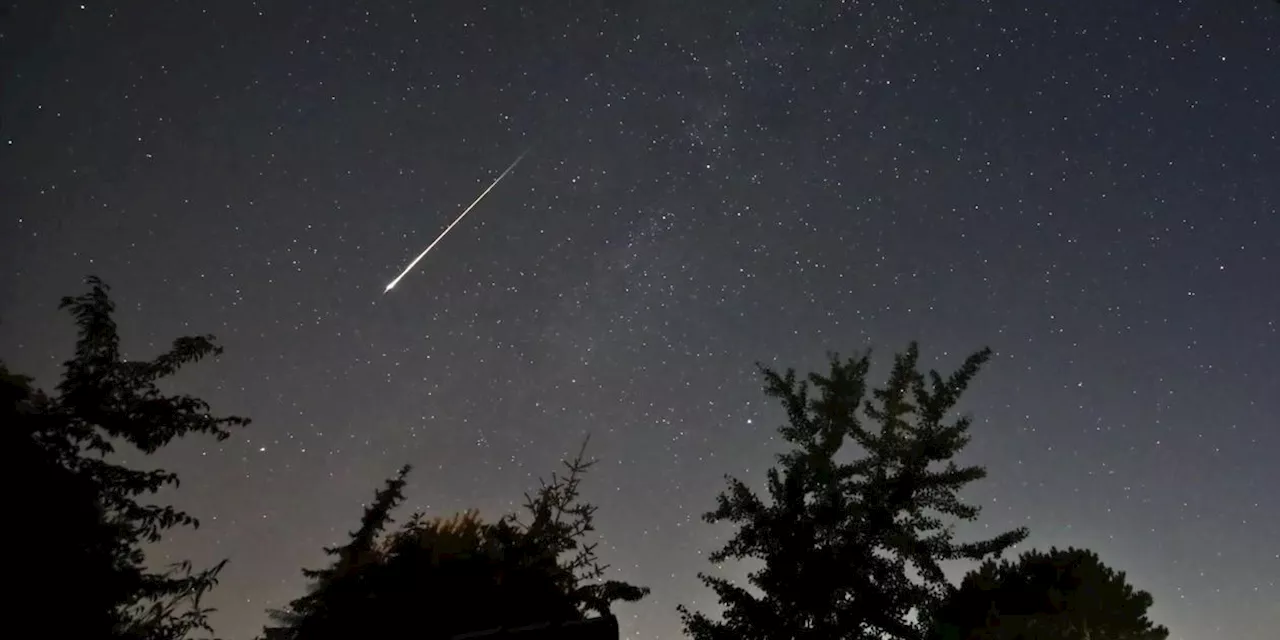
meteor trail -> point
(464, 213)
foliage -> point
(442, 577)
(840, 540)
(313, 614)
(93, 521)
(1061, 594)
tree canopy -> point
(1060, 594)
(859, 518)
(443, 577)
(842, 541)
(96, 515)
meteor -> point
(447, 229)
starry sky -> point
(1087, 187)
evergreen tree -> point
(851, 547)
(445, 577)
(319, 611)
(93, 522)
(1060, 595)
(559, 521)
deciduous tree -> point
(91, 517)
(442, 577)
(1060, 595)
(854, 530)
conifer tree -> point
(94, 521)
(853, 534)
(559, 521)
(318, 613)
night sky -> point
(1087, 187)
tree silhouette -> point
(1063, 594)
(443, 577)
(92, 518)
(840, 541)
(320, 613)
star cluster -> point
(1089, 188)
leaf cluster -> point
(840, 540)
(102, 513)
(1061, 593)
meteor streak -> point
(464, 213)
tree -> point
(319, 613)
(86, 567)
(841, 540)
(1060, 595)
(443, 577)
